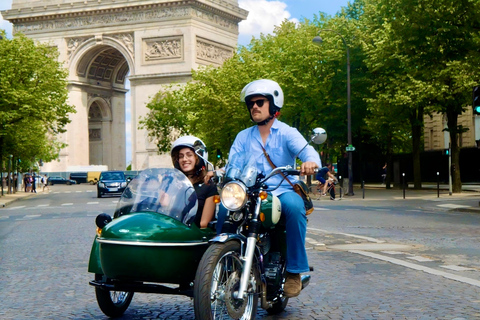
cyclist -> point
(325, 176)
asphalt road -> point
(373, 259)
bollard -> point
(403, 174)
(363, 187)
(438, 184)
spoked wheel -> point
(113, 303)
(332, 193)
(217, 279)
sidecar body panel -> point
(152, 237)
(151, 247)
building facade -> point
(102, 43)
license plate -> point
(112, 189)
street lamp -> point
(318, 41)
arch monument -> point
(105, 42)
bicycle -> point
(317, 191)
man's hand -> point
(308, 168)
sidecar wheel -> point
(216, 280)
(113, 303)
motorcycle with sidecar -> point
(152, 244)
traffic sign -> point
(350, 148)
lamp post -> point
(318, 41)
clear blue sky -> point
(263, 16)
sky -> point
(263, 16)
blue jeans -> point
(293, 210)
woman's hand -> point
(208, 176)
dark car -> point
(80, 177)
(60, 180)
(111, 182)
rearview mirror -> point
(319, 136)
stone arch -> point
(98, 71)
(153, 42)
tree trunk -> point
(417, 127)
(452, 122)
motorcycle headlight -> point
(234, 196)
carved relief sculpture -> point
(163, 48)
(212, 52)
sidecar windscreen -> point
(161, 190)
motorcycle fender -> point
(94, 265)
(225, 237)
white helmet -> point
(263, 87)
(193, 143)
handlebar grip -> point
(293, 172)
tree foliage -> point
(33, 99)
(423, 55)
(409, 58)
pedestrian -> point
(45, 183)
(25, 182)
(270, 137)
(34, 183)
(29, 183)
(384, 173)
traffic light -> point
(476, 100)
(219, 154)
(446, 152)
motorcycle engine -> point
(274, 272)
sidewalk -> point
(7, 199)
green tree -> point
(209, 105)
(423, 55)
(33, 99)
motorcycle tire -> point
(113, 303)
(216, 280)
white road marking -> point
(30, 216)
(349, 235)
(96, 202)
(420, 259)
(67, 204)
(4, 217)
(393, 252)
(452, 205)
(18, 207)
(320, 209)
(414, 266)
(457, 268)
(42, 205)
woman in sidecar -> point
(152, 242)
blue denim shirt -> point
(283, 144)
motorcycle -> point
(246, 263)
(151, 245)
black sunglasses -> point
(259, 103)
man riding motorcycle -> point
(281, 143)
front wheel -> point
(217, 279)
(113, 303)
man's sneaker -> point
(293, 285)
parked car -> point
(111, 182)
(60, 180)
(93, 176)
(80, 177)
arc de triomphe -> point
(104, 42)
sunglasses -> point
(259, 103)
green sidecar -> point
(151, 245)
